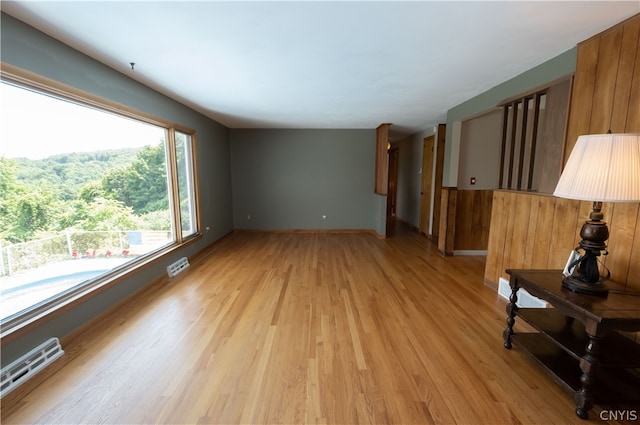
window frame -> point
(22, 323)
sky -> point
(63, 127)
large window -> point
(86, 192)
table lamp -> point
(601, 168)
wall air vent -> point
(177, 267)
(28, 365)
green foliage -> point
(35, 211)
(108, 214)
(143, 184)
(69, 172)
(91, 191)
(156, 220)
(97, 191)
(8, 196)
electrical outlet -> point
(324, 217)
(248, 216)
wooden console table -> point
(576, 343)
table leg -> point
(589, 365)
(512, 308)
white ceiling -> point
(320, 64)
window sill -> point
(31, 319)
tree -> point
(143, 184)
(7, 196)
(91, 191)
(108, 214)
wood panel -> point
(608, 58)
(437, 190)
(548, 162)
(542, 238)
(473, 219)
(606, 88)
(447, 231)
(622, 226)
(382, 161)
(426, 184)
(633, 279)
(625, 77)
(582, 93)
(497, 235)
(633, 114)
(539, 231)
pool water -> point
(20, 292)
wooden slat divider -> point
(534, 139)
(505, 125)
(523, 140)
(514, 125)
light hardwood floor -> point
(294, 328)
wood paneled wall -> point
(606, 87)
(539, 231)
(465, 216)
(533, 231)
(473, 218)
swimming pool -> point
(20, 292)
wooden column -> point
(447, 220)
(382, 159)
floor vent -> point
(178, 266)
(28, 365)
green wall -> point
(29, 49)
(290, 178)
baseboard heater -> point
(29, 364)
(177, 267)
(525, 299)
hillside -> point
(70, 172)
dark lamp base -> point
(574, 284)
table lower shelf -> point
(570, 335)
(613, 385)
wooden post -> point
(382, 160)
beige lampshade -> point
(603, 167)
